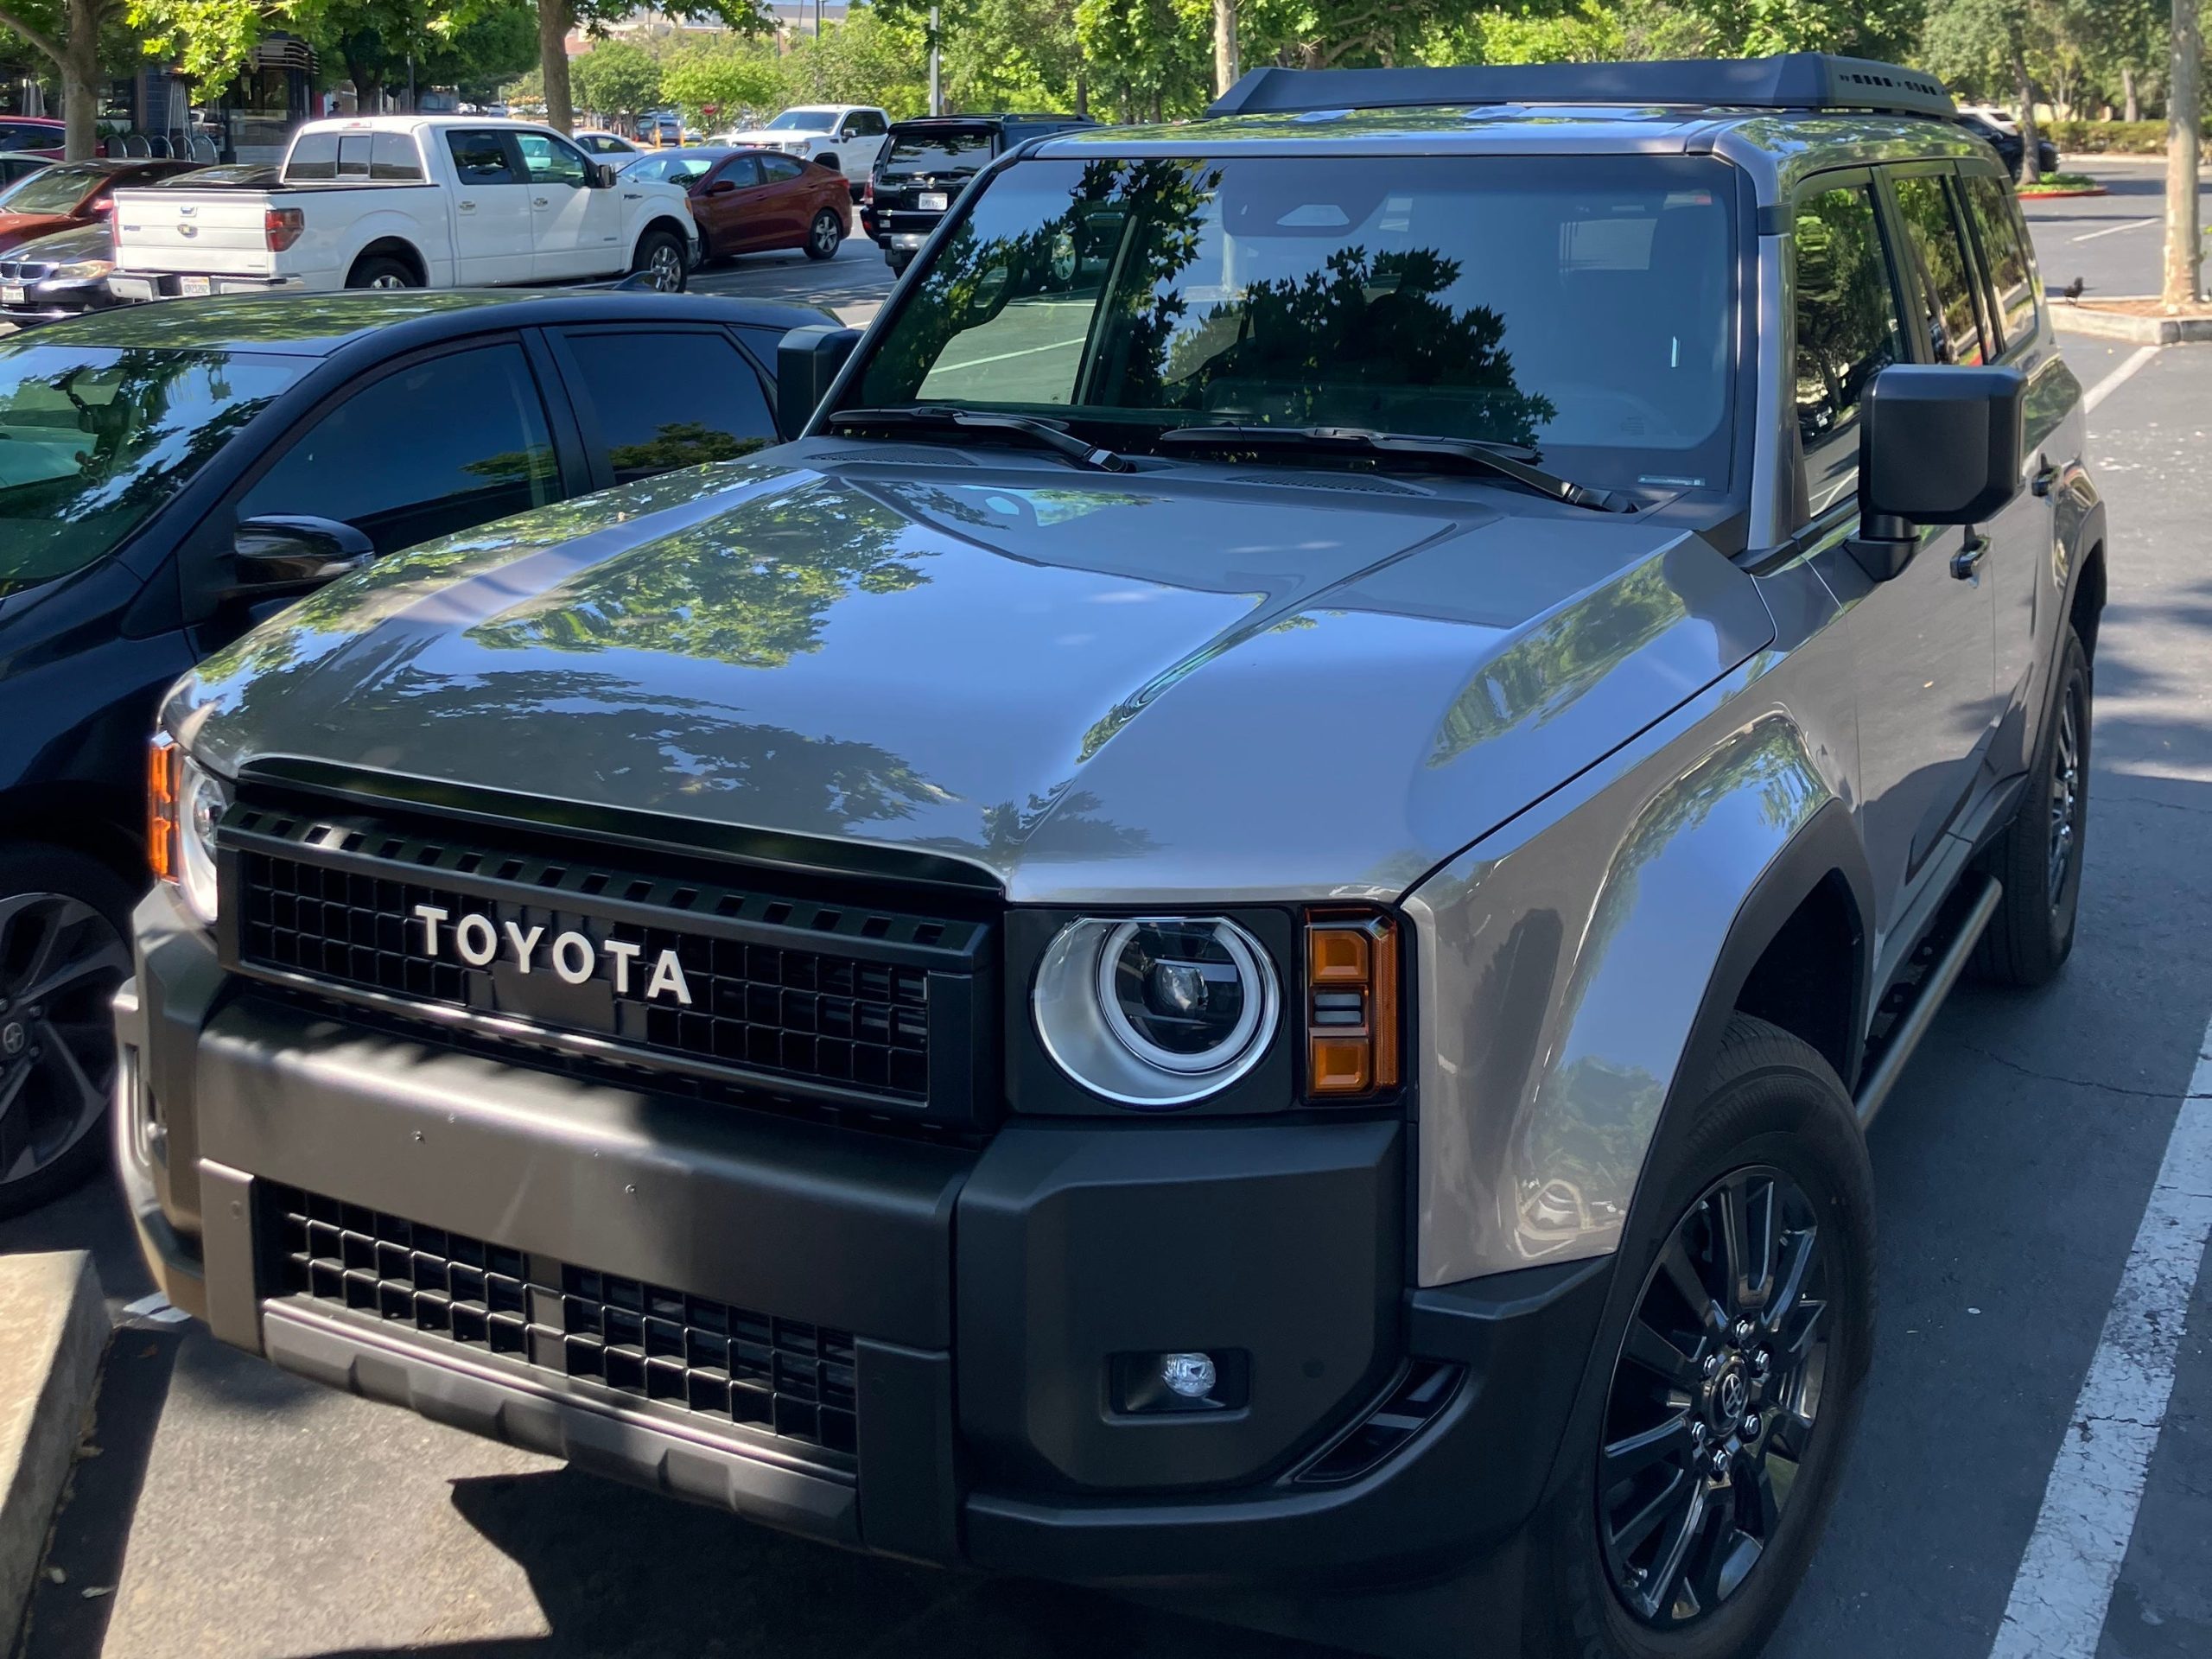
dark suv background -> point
(928, 162)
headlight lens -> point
(185, 802)
(1155, 1012)
(84, 270)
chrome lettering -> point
(466, 933)
(431, 916)
(523, 943)
(669, 973)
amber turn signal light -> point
(1351, 1005)
(164, 763)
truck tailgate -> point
(214, 231)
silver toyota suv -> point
(1233, 935)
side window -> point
(866, 124)
(548, 160)
(777, 168)
(480, 158)
(1846, 332)
(743, 171)
(665, 401)
(1947, 280)
(376, 463)
(2005, 245)
(315, 156)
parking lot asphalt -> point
(2114, 243)
(853, 285)
(232, 1510)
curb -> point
(2140, 331)
(54, 1328)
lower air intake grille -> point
(789, 1378)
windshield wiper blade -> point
(1500, 460)
(1047, 435)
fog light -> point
(1181, 1382)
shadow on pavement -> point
(620, 1574)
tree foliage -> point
(617, 78)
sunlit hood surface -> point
(1148, 687)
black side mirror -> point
(807, 360)
(282, 553)
(1937, 445)
(602, 175)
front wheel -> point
(660, 254)
(823, 236)
(1707, 1451)
(64, 920)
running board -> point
(1937, 962)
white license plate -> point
(11, 294)
(931, 201)
(195, 287)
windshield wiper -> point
(985, 424)
(1500, 460)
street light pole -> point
(936, 89)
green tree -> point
(1988, 43)
(66, 33)
(737, 78)
(617, 79)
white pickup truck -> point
(846, 136)
(407, 201)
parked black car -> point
(65, 275)
(170, 475)
(929, 162)
(2008, 145)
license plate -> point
(195, 288)
(11, 294)
(931, 201)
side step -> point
(1911, 1002)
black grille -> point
(839, 1001)
(783, 1375)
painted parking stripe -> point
(2114, 230)
(2111, 383)
(2074, 1556)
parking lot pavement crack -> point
(2010, 1065)
(2110, 799)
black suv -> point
(928, 162)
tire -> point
(662, 252)
(2039, 858)
(1774, 1134)
(382, 271)
(823, 236)
(65, 923)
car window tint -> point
(939, 150)
(2003, 243)
(780, 168)
(1846, 332)
(377, 464)
(315, 156)
(392, 158)
(1946, 303)
(740, 170)
(548, 161)
(353, 154)
(670, 400)
(480, 158)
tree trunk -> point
(555, 18)
(1224, 45)
(2029, 136)
(1082, 88)
(368, 87)
(80, 80)
(2185, 232)
(2131, 107)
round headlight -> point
(1155, 1011)
(201, 800)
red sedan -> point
(71, 193)
(32, 135)
(748, 201)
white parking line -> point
(2073, 1558)
(2114, 230)
(2111, 382)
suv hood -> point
(1152, 687)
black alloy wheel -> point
(1715, 1396)
(60, 961)
(2037, 860)
(2068, 799)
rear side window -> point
(779, 169)
(1946, 302)
(1846, 332)
(866, 124)
(960, 149)
(2005, 245)
(743, 171)
(315, 156)
(481, 158)
(663, 401)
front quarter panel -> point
(1567, 962)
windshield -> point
(92, 439)
(1580, 305)
(50, 190)
(804, 121)
(956, 151)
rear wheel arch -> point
(397, 249)
(104, 824)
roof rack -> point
(1795, 81)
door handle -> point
(466, 206)
(1965, 563)
(2046, 475)
(540, 201)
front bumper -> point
(1033, 1259)
(138, 286)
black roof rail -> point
(1795, 81)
